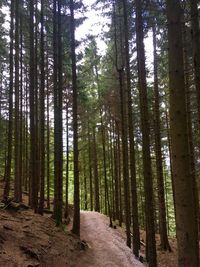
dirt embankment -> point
(28, 239)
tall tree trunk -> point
(85, 184)
(186, 221)
(189, 124)
(148, 181)
(125, 158)
(159, 164)
(116, 178)
(107, 202)
(90, 168)
(33, 178)
(76, 221)
(17, 193)
(136, 232)
(10, 123)
(58, 151)
(196, 57)
(111, 168)
(119, 54)
(42, 112)
(170, 155)
(36, 110)
(119, 173)
(48, 139)
(21, 119)
(67, 162)
(96, 175)
(26, 135)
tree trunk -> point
(196, 58)
(136, 232)
(58, 149)
(145, 128)
(17, 193)
(42, 113)
(116, 180)
(33, 180)
(36, 104)
(90, 169)
(76, 221)
(48, 141)
(186, 221)
(67, 162)
(10, 124)
(159, 164)
(96, 175)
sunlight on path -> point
(107, 247)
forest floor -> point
(30, 240)
(106, 246)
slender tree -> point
(18, 193)
(136, 233)
(159, 164)
(42, 113)
(10, 125)
(67, 161)
(58, 150)
(96, 175)
(33, 182)
(145, 127)
(76, 220)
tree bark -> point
(10, 124)
(33, 180)
(186, 221)
(145, 128)
(136, 232)
(17, 191)
(76, 221)
(58, 147)
(96, 175)
(42, 113)
(158, 149)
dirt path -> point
(107, 247)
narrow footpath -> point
(107, 246)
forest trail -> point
(107, 246)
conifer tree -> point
(186, 221)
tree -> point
(148, 183)
(159, 164)
(136, 233)
(119, 64)
(96, 175)
(10, 126)
(58, 149)
(18, 192)
(33, 179)
(76, 219)
(186, 221)
(42, 114)
(195, 34)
